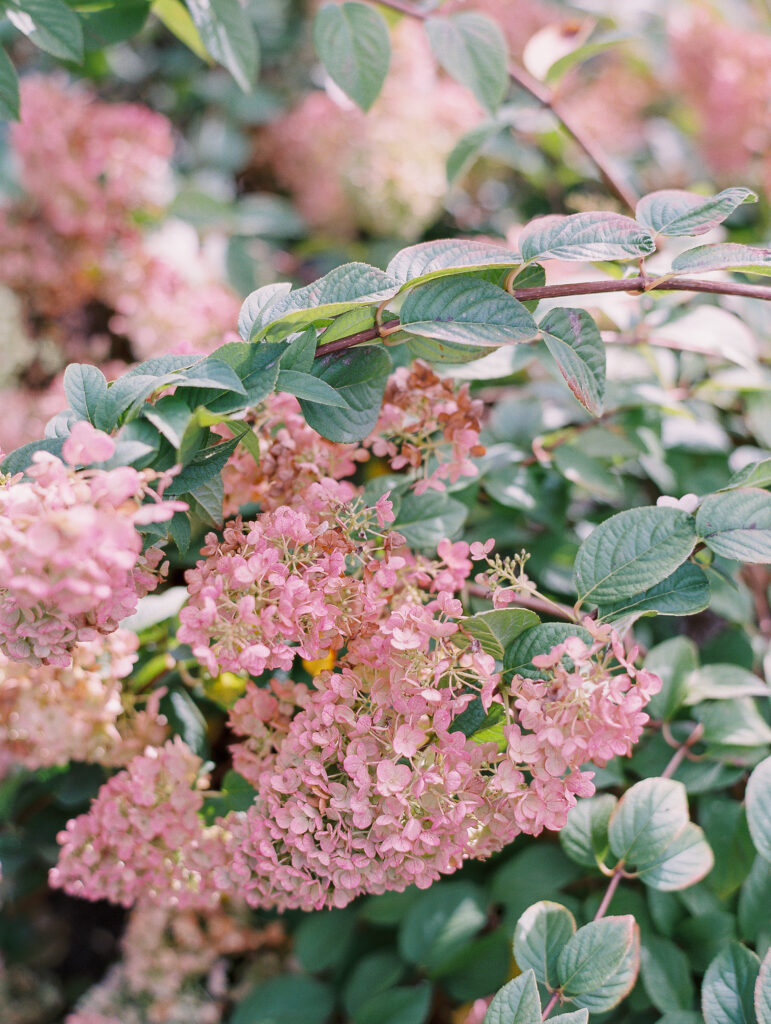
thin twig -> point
(546, 98)
(560, 291)
(682, 751)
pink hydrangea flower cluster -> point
(71, 559)
(51, 715)
(143, 837)
(174, 967)
(429, 425)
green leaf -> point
(763, 992)
(9, 88)
(585, 236)
(433, 351)
(472, 49)
(205, 465)
(440, 922)
(206, 499)
(675, 212)
(354, 46)
(185, 720)
(593, 967)
(254, 305)
(50, 24)
(176, 17)
(516, 1003)
(685, 592)
(256, 366)
(729, 986)
(300, 352)
(574, 341)
(228, 35)
(209, 373)
(737, 524)
(313, 389)
(425, 519)
(447, 256)
(287, 999)
(673, 661)
(749, 259)
(113, 25)
(666, 974)
(686, 860)
(466, 310)
(754, 901)
(756, 474)
(723, 682)
(631, 551)
(759, 807)
(736, 724)
(372, 974)
(171, 416)
(323, 940)
(403, 1005)
(497, 629)
(85, 388)
(467, 148)
(18, 460)
(585, 836)
(539, 938)
(647, 819)
(540, 639)
(346, 286)
(725, 825)
(358, 375)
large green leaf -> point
(593, 967)
(228, 35)
(750, 259)
(497, 629)
(647, 819)
(631, 551)
(539, 640)
(50, 24)
(718, 681)
(673, 661)
(471, 48)
(763, 991)
(288, 999)
(465, 310)
(354, 46)
(445, 256)
(737, 524)
(666, 974)
(540, 935)
(574, 341)
(440, 922)
(259, 300)
(686, 860)
(585, 236)
(114, 24)
(9, 88)
(313, 389)
(675, 212)
(425, 519)
(759, 807)
(685, 592)
(85, 388)
(176, 17)
(585, 836)
(729, 986)
(359, 377)
(516, 1003)
(405, 1004)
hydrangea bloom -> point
(143, 837)
(51, 715)
(71, 559)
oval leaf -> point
(574, 341)
(50, 24)
(228, 35)
(358, 376)
(585, 236)
(354, 46)
(685, 592)
(585, 836)
(647, 819)
(538, 640)
(750, 259)
(729, 986)
(471, 48)
(685, 862)
(594, 954)
(632, 551)
(447, 255)
(540, 935)
(675, 212)
(759, 807)
(737, 524)
(516, 1003)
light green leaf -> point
(426, 519)
(647, 819)
(539, 640)
(754, 901)
(585, 236)
(467, 148)
(723, 682)
(735, 724)
(685, 592)
(729, 986)
(593, 967)
(632, 551)
(585, 836)
(686, 860)
(472, 49)
(673, 661)
(50, 24)
(358, 376)
(445, 256)
(176, 17)
(354, 46)
(759, 807)
(254, 304)
(256, 366)
(666, 974)
(757, 474)
(313, 389)
(540, 935)
(737, 524)
(228, 35)
(85, 388)
(574, 341)
(497, 629)
(466, 310)
(675, 212)
(9, 88)
(516, 1003)
(763, 992)
(749, 259)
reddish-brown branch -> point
(546, 98)
(560, 291)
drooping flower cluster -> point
(143, 837)
(71, 559)
(174, 967)
(51, 715)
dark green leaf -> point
(448, 256)
(539, 640)
(685, 592)
(426, 519)
(287, 999)
(759, 807)
(9, 88)
(585, 836)
(50, 24)
(358, 375)
(439, 922)
(729, 987)
(85, 388)
(497, 629)
(312, 389)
